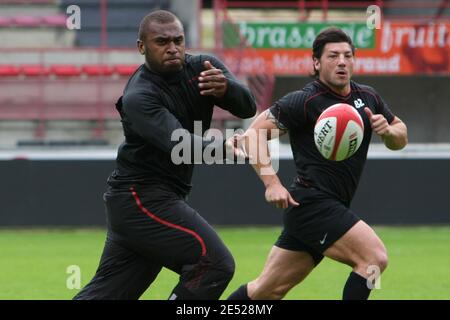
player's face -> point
(335, 66)
(164, 47)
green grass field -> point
(33, 263)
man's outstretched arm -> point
(254, 145)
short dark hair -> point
(158, 16)
(331, 34)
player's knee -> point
(221, 271)
(227, 267)
(220, 275)
(377, 259)
(381, 260)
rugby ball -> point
(338, 132)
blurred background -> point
(64, 63)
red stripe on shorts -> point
(167, 223)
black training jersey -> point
(153, 106)
(298, 112)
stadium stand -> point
(122, 19)
(9, 71)
(61, 92)
(44, 66)
(97, 70)
(67, 70)
(33, 70)
(28, 2)
(54, 21)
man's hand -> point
(394, 135)
(378, 123)
(212, 82)
(278, 195)
(235, 147)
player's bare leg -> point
(361, 249)
(284, 269)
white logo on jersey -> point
(358, 103)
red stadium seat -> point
(64, 70)
(54, 21)
(9, 71)
(97, 70)
(33, 70)
(5, 21)
(125, 70)
(26, 21)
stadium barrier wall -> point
(397, 191)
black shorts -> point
(316, 223)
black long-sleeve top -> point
(153, 106)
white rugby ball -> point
(338, 132)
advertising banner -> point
(398, 48)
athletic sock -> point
(240, 294)
(356, 288)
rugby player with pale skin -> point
(359, 247)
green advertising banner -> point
(398, 47)
(290, 35)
